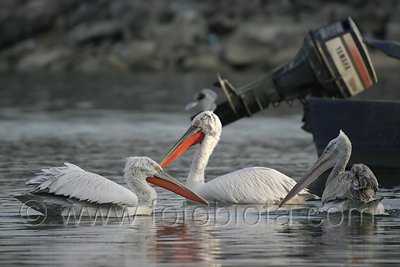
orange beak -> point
(193, 136)
(164, 180)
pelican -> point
(344, 190)
(246, 186)
(61, 188)
(205, 100)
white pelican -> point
(344, 190)
(205, 100)
(246, 186)
(61, 188)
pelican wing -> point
(74, 182)
(252, 185)
(359, 183)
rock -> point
(42, 59)
(100, 64)
(121, 35)
(393, 27)
(109, 29)
(179, 39)
(243, 55)
(82, 14)
(89, 65)
(132, 16)
(4, 66)
(69, 5)
(204, 62)
(253, 44)
(9, 57)
(190, 27)
(25, 21)
(20, 49)
(222, 24)
(187, 29)
(8, 4)
(393, 31)
(115, 64)
(140, 55)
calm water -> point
(97, 122)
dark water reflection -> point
(142, 91)
(98, 121)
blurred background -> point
(100, 36)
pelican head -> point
(140, 169)
(204, 124)
(337, 152)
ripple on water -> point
(173, 236)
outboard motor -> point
(332, 62)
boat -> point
(332, 66)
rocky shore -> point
(97, 36)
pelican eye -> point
(157, 168)
(197, 123)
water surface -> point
(97, 122)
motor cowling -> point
(332, 62)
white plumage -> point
(60, 189)
(344, 190)
(74, 182)
(245, 186)
(250, 186)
